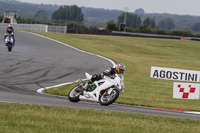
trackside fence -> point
(62, 29)
(36, 27)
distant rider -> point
(10, 31)
(118, 69)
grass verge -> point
(23, 118)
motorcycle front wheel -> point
(107, 99)
(9, 48)
(74, 94)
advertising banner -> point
(186, 90)
(175, 74)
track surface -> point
(37, 62)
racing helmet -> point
(9, 30)
(120, 68)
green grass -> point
(62, 90)
(139, 54)
(22, 118)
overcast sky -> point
(181, 7)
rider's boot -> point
(13, 43)
(81, 87)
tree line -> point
(74, 14)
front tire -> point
(9, 48)
(109, 99)
(74, 94)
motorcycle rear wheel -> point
(109, 99)
(74, 94)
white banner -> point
(186, 90)
(175, 74)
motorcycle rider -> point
(10, 31)
(118, 69)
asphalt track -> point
(38, 62)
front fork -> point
(108, 91)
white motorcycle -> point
(104, 91)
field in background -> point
(139, 54)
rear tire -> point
(109, 99)
(74, 94)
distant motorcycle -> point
(104, 91)
(9, 41)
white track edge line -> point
(197, 113)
